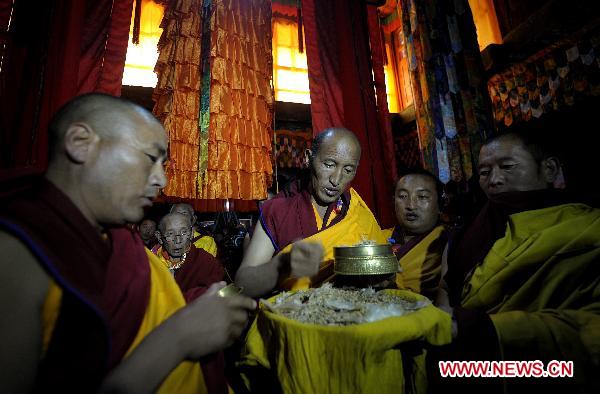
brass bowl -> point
(365, 260)
(230, 290)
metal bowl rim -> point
(363, 250)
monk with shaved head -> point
(326, 213)
(194, 269)
(87, 308)
(205, 242)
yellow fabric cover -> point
(165, 299)
(365, 358)
(207, 243)
(359, 224)
(541, 286)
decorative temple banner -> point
(407, 150)
(290, 147)
(215, 99)
(452, 108)
(555, 77)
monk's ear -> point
(550, 168)
(80, 141)
(158, 237)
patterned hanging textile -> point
(552, 79)
(451, 102)
(215, 99)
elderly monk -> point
(148, 232)
(418, 239)
(205, 242)
(86, 307)
(524, 278)
(194, 269)
(326, 213)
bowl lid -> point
(363, 250)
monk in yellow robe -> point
(523, 280)
(418, 239)
(87, 307)
(323, 214)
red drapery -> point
(341, 68)
(55, 51)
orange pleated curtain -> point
(219, 121)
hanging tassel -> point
(300, 34)
(136, 22)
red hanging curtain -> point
(340, 72)
(327, 104)
(55, 51)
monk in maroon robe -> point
(325, 212)
(78, 288)
(194, 270)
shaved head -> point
(174, 217)
(107, 155)
(184, 209)
(102, 112)
(333, 158)
(334, 134)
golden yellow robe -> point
(165, 299)
(421, 266)
(540, 284)
(207, 243)
(358, 225)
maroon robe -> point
(199, 271)
(194, 277)
(105, 284)
(288, 219)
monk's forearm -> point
(260, 280)
(148, 365)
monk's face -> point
(333, 168)
(126, 172)
(416, 203)
(505, 165)
(176, 237)
(147, 230)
